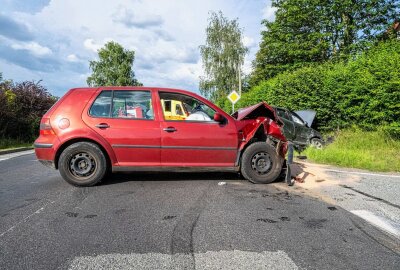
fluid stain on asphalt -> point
(316, 223)
(267, 220)
(285, 218)
(168, 217)
(332, 208)
(71, 214)
(90, 216)
(120, 211)
(126, 193)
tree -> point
(114, 67)
(223, 56)
(311, 31)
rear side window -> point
(132, 104)
(102, 105)
(123, 104)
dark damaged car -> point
(297, 128)
(91, 131)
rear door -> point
(196, 139)
(125, 118)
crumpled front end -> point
(259, 122)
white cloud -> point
(91, 45)
(135, 19)
(164, 34)
(33, 47)
(248, 41)
(72, 58)
(269, 13)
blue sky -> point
(53, 40)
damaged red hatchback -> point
(90, 131)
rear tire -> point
(260, 163)
(82, 164)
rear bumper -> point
(43, 145)
(45, 150)
(48, 163)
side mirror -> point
(218, 118)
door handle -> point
(102, 125)
(170, 129)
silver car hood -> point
(307, 115)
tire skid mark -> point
(182, 237)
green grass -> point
(354, 148)
(12, 143)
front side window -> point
(297, 119)
(123, 104)
(184, 108)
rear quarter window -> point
(102, 105)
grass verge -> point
(12, 143)
(354, 148)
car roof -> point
(152, 88)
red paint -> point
(144, 142)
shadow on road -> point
(117, 178)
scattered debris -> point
(221, 183)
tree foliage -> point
(364, 91)
(21, 107)
(114, 67)
(313, 31)
(222, 55)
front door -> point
(125, 118)
(195, 139)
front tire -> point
(82, 164)
(260, 163)
(316, 143)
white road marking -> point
(379, 221)
(235, 259)
(363, 173)
(18, 154)
(26, 218)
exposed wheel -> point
(260, 163)
(82, 164)
(316, 143)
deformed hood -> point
(261, 109)
(307, 115)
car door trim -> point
(175, 147)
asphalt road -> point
(176, 221)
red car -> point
(91, 131)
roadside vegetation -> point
(21, 107)
(12, 143)
(370, 150)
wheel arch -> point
(257, 136)
(80, 139)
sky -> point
(54, 40)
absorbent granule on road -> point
(235, 259)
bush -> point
(364, 91)
(21, 107)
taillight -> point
(45, 127)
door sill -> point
(173, 169)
